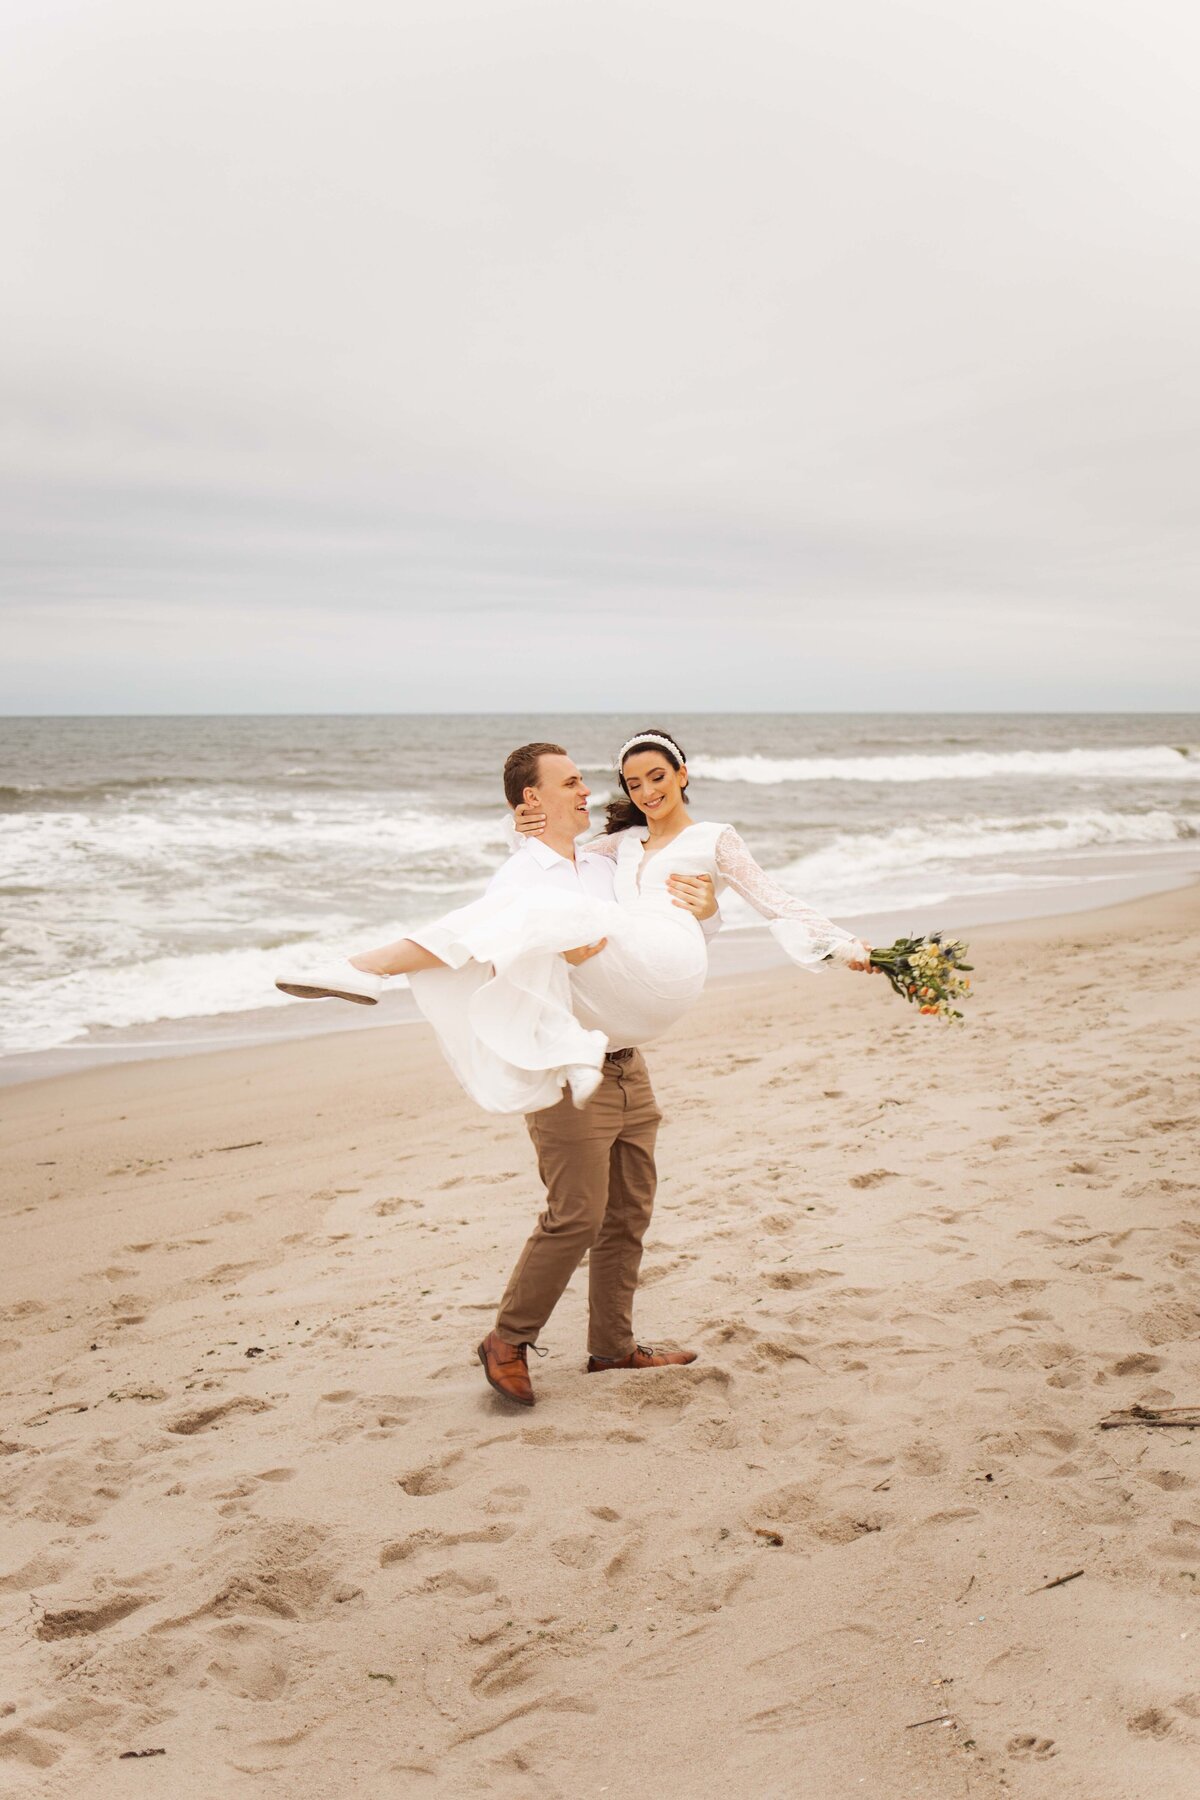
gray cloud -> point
(690, 354)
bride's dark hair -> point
(623, 813)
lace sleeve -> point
(607, 844)
(807, 937)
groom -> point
(597, 1161)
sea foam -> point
(1155, 762)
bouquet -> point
(927, 971)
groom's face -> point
(562, 794)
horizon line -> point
(625, 712)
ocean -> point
(157, 870)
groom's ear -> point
(529, 796)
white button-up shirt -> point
(536, 865)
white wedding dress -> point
(517, 1023)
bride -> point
(527, 989)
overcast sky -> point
(384, 355)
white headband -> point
(649, 737)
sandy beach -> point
(262, 1514)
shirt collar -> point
(543, 855)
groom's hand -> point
(584, 953)
(529, 820)
(695, 893)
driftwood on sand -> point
(1182, 1416)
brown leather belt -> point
(618, 1055)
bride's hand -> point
(584, 953)
(870, 967)
(529, 820)
(694, 893)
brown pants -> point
(598, 1166)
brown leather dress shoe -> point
(507, 1368)
(641, 1357)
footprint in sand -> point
(76, 1714)
(694, 1592)
(227, 1274)
(281, 1570)
(432, 1479)
(791, 1279)
(1183, 1545)
(1168, 1323)
(715, 1434)
(39, 1571)
(200, 1418)
(137, 1390)
(81, 1621)
(775, 1352)
(923, 1457)
(26, 1747)
(515, 1664)
(1031, 1749)
(653, 1272)
(369, 1415)
(669, 1389)
(404, 1549)
(20, 1309)
(457, 1581)
(510, 1498)
(827, 1700)
(796, 1516)
(578, 1550)
(248, 1660)
(1139, 1363)
(1151, 1723)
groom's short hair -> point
(521, 770)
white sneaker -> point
(344, 982)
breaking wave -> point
(1153, 762)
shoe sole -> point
(495, 1386)
(301, 992)
(635, 1368)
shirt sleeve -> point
(808, 938)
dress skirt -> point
(517, 1023)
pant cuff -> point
(512, 1338)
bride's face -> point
(654, 785)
